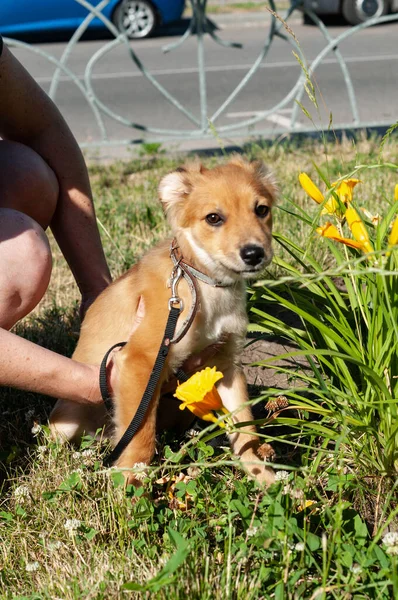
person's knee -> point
(27, 183)
(26, 261)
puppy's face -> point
(224, 214)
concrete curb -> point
(248, 19)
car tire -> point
(360, 11)
(136, 18)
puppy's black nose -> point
(252, 255)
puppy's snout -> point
(252, 254)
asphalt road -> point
(371, 55)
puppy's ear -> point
(174, 188)
(265, 178)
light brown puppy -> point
(221, 219)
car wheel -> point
(136, 18)
(359, 11)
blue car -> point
(137, 18)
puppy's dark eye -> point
(261, 210)
(214, 219)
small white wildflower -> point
(251, 531)
(36, 429)
(88, 456)
(79, 471)
(300, 547)
(21, 493)
(72, 524)
(281, 476)
(88, 453)
(54, 545)
(296, 494)
(140, 470)
(33, 566)
(356, 569)
(141, 466)
(391, 541)
(76, 455)
(41, 450)
(193, 472)
(391, 538)
(191, 433)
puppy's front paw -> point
(257, 469)
(264, 475)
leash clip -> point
(176, 275)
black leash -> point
(150, 388)
(107, 398)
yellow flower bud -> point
(358, 229)
(393, 237)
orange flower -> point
(199, 395)
(330, 231)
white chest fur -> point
(221, 314)
(222, 311)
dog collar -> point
(178, 261)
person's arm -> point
(28, 116)
(27, 366)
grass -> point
(199, 528)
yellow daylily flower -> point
(330, 231)
(393, 237)
(199, 395)
(344, 189)
(396, 192)
(330, 207)
(358, 229)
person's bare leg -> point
(28, 199)
(25, 260)
(27, 183)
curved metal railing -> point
(204, 124)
